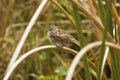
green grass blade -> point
(81, 39)
(105, 23)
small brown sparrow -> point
(60, 38)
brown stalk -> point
(96, 7)
(116, 17)
(66, 14)
(91, 7)
(93, 18)
(5, 21)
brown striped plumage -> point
(60, 38)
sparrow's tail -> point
(76, 42)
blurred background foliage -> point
(49, 64)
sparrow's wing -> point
(67, 38)
(71, 39)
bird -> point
(60, 38)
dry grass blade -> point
(91, 7)
(115, 15)
(5, 20)
(82, 52)
(26, 32)
(67, 15)
(31, 52)
(88, 14)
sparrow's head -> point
(51, 27)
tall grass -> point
(89, 22)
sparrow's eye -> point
(51, 27)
